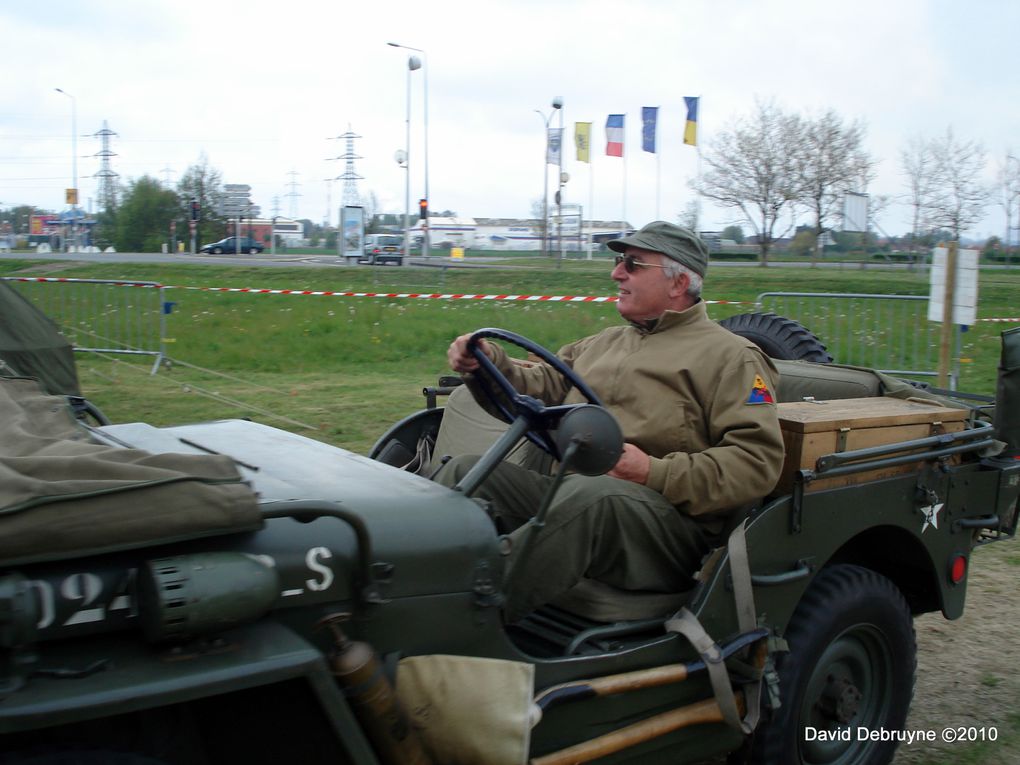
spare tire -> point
(779, 337)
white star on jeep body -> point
(931, 516)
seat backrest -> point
(805, 379)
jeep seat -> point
(602, 602)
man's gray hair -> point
(674, 269)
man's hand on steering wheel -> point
(471, 353)
(461, 359)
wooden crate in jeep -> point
(812, 429)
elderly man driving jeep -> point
(699, 422)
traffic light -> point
(195, 208)
(423, 209)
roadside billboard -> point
(352, 232)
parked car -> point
(383, 249)
(233, 244)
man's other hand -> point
(633, 465)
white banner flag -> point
(554, 146)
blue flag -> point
(649, 116)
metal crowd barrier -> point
(890, 333)
(103, 315)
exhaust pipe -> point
(1007, 395)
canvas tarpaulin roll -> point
(62, 493)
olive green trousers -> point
(614, 531)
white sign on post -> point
(966, 292)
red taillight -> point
(957, 569)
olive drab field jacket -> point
(695, 397)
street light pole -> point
(74, 163)
(557, 105)
(404, 159)
(559, 198)
(426, 244)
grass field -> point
(342, 369)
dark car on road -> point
(233, 244)
(383, 249)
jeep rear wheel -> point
(850, 667)
(779, 337)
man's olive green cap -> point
(675, 242)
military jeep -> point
(229, 592)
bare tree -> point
(690, 215)
(957, 197)
(753, 169)
(831, 161)
(1008, 178)
(917, 165)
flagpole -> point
(697, 145)
(591, 204)
(624, 158)
(658, 168)
(658, 183)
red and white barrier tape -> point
(405, 295)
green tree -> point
(803, 243)
(734, 234)
(143, 219)
(205, 184)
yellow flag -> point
(582, 140)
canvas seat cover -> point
(62, 494)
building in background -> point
(517, 234)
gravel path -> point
(967, 670)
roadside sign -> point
(965, 294)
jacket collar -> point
(670, 319)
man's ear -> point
(679, 285)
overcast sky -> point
(259, 87)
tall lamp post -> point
(557, 105)
(425, 243)
(401, 156)
(74, 164)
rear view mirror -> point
(598, 439)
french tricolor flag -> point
(614, 135)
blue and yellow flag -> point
(691, 128)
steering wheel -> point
(512, 405)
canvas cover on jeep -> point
(63, 493)
(31, 345)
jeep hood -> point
(436, 539)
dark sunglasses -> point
(631, 264)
